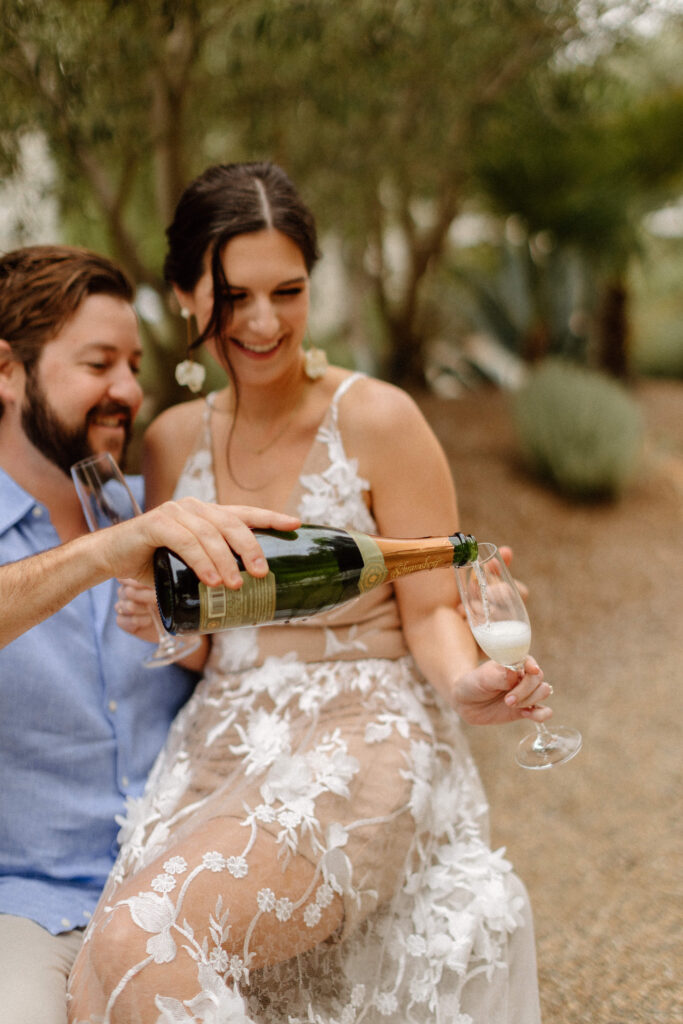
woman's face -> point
(269, 291)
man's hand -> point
(206, 536)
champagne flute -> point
(107, 499)
(499, 622)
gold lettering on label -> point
(403, 568)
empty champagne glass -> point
(499, 622)
(107, 499)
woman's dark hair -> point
(226, 201)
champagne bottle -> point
(311, 570)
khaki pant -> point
(34, 969)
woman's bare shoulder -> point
(177, 424)
(374, 404)
(168, 443)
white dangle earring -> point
(315, 362)
(189, 373)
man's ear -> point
(11, 372)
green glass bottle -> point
(312, 569)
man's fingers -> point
(208, 536)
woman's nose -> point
(263, 319)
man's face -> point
(82, 395)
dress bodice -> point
(329, 491)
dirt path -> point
(597, 841)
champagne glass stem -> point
(546, 748)
(544, 738)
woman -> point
(312, 845)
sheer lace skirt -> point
(312, 846)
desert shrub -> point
(578, 429)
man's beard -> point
(58, 443)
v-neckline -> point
(291, 504)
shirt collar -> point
(15, 502)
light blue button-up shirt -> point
(81, 721)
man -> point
(81, 720)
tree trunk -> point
(405, 360)
(613, 328)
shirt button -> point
(113, 705)
(124, 781)
(66, 922)
(37, 512)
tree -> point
(601, 147)
(377, 108)
(111, 85)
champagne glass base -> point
(170, 650)
(536, 751)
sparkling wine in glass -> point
(107, 499)
(499, 622)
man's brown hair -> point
(42, 286)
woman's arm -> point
(413, 496)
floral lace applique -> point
(354, 769)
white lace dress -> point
(312, 844)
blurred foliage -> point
(657, 335)
(376, 107)
(580, 157)
(392, 116)
(578, 429)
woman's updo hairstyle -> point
(226, 201)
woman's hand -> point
(491, 694)
(135, 608)
(137, 613)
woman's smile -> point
(263, 349)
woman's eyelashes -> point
(285, 292)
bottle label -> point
(254, 602)
(374, 571)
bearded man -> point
(81, 720)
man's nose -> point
(125, 388)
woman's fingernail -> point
(510, 700)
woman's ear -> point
(185, 300)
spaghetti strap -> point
(341, 391)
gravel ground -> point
(598, 840)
